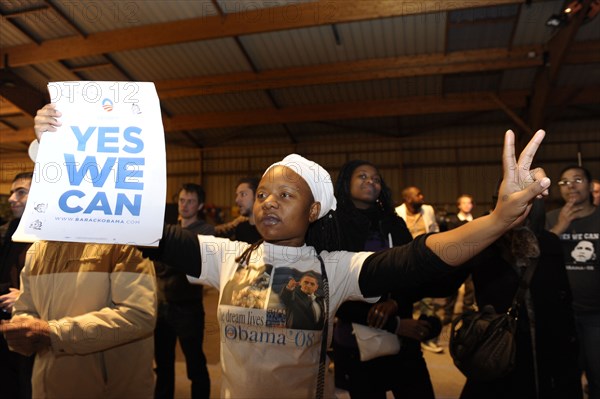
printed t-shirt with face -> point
(260, 355)
(581, 247)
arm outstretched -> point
(520, 186)
(178, 248)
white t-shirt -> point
(260, 356)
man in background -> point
(465, 206)
(87, 312)
(420, 219)
(244, 198)
(15, 369)
(242, 228)
(180, 309)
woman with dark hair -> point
(365, 209)
(367, 222)
(546, 356)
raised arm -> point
(178, 248)
(428, 259)
(519, 187)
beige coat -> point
(100, 302)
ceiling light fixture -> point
(557, 20)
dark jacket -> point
(12, 259)
(556, 349)
(246, 232)
(355, 226)
(405, 371)
(173, 285)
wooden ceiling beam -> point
(25, 11)
(323, 112)
(474, 102)
(20, 93)
(383, 68)
(8, 109)
(425, 105)
(290, 16)
(587, 52)
(386, 68)
(25, 135)
(512, 115)
(545, 80)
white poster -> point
(101, 177)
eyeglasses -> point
(570, 183)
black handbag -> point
(483, 343)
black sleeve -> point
(409, 268)
(442, 285)
(179, 248)
(354, 311)
(4, 289)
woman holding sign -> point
(294, 214)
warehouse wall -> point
(444, 164)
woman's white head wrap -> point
(315, 176)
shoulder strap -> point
(525, 280)
(323, 357)
(524, 283)
(518, 299)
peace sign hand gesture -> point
(520, 184)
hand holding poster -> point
(101, 177)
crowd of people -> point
(306, 262)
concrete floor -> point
(447, 380)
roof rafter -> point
(473, 102)
(20, 93)
(545, 80)
(423, 105)
(373, 69)
(291, 16)
(385, 68)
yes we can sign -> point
(101, 177)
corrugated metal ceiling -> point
(375, 40)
